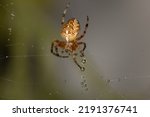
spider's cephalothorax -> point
(70, 31)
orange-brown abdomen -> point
(70, 30)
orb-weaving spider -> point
(70, 31)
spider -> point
(71, 44)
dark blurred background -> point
(117, 53)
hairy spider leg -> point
(64, 13)
(82, 55)
(84, 46)
(81, 68)
(56, 44)
(85, 29)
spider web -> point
(17, 81)
(29, 71)
(8, 54)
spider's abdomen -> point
(70, 30)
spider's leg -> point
(82, 50)
(64, 13)
(85, 29)
(55, 45)
(81, 68)
(62, 56)
(52, 48)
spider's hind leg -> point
(64, 13)
(85, 29)
(54, 46)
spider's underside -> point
(70, 31)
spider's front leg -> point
(55, 45)
(75, 60)
(82, 50)
(81, 55)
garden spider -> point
(70, 31)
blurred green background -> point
(29, 71)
